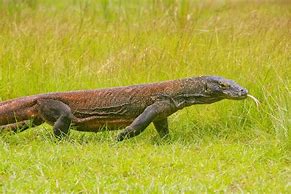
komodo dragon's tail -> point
(17, 110)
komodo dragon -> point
(133, 107)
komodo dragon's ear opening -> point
(206, 88)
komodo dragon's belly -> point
(95, 125)
(106, 118)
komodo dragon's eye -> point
(223, 85)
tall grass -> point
(229, 146)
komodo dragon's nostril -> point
(243, 91)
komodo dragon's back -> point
(131, 98)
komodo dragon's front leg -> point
(162, 127)
(156, 113)
(57, 114)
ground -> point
(229, 146)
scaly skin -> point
(133, 107)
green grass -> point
(229, 146)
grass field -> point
(229, 146)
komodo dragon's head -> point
(223, 88)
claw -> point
(254, 99)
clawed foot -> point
(59, 134)
(128, 132)
(121, 136)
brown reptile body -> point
(132, 106)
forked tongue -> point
(254, 99)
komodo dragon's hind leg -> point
(57, 114)
(22, 125)
(157, 111)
